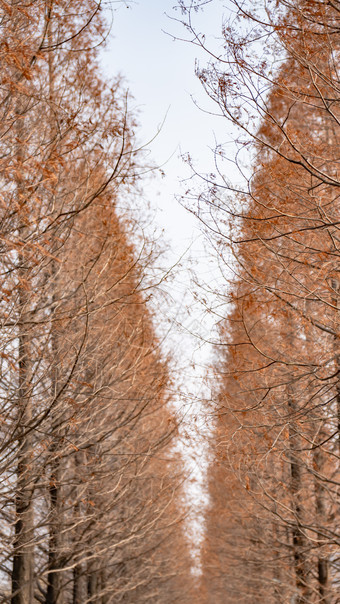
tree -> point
(278, 393)
(91, 490)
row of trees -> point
(90, 504)
(272, 528)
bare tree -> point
(91, 509)
(276, 81)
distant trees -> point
(272, 529)
(90, 501)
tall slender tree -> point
(90, 510)
(277, 401)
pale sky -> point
(160, 73)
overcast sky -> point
(159, 70)
(160, 73)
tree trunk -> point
(22, 572)
(79, 576)
(79, 585)
(321, 514)
(92, 582)
(300, 546)
(54, 576)
(336, 287)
